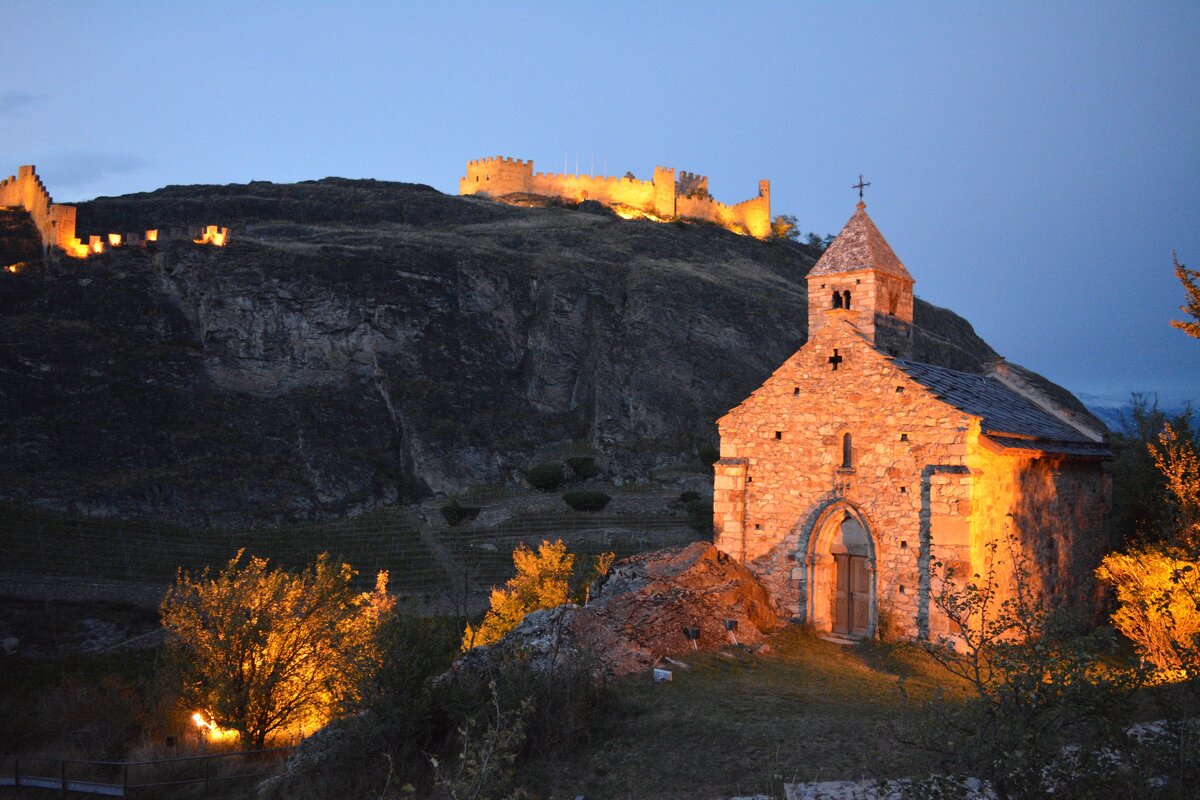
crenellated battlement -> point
(56, 222)
(481, 162)
(666, 196)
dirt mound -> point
(639, 612)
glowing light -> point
(629, 212)
(15, 268)
(114, 239)
(95, 244)
(211, 730)
(152, 236)
(213, 235)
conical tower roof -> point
(860, 245)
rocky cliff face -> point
(361, 342)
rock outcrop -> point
(638, 613)
(359, 343)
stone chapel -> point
(854, 468)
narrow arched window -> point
(846, 299)
(847, 452)
(837, 299)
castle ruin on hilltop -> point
(663, 198)
(55, 222)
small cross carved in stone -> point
(835, 359)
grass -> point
(745, 724)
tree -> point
(259, 650)
(1176, 458)
(1141, 502)
(1158, 584)
(1157, 588)
(1188, 278)
(784, 227)
(542, 581)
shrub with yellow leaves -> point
(542, 581)
(1157, 589)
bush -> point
(1047, 704)
(583, 466)
(586, 500)
(559, 707)
(454, 513)
(542, 581)
(689, 497)
(546, 476)
(402, 721)
(260, 651)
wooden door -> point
(852, 595)
(841, 593)
(860, 596)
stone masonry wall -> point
(55, 222)
(909, 483)
(662, 197)
(882, 306)
(1057, 508)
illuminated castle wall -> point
(665, 197)
(56, 222)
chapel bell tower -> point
(860, 278)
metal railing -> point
(132, 778)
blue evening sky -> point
(1033, 164)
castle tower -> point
(860, 277)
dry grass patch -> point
(740, 724)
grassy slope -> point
(810, 710)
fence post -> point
(125, 780)
(16, 772)
(62, 778)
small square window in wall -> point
(796, 392)
(749, 479)
(778, 434)
(758, 526)
(904, 437)
(902, 590)
(903, 545)
(899, 390)
(903, 490)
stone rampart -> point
(664, 197)
(55, 223)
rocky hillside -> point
(361, 343)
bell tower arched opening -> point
(839, 585)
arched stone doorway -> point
(839, 578)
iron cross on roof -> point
(860, 186)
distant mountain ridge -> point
(360, 343)
(1117, 412)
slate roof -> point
(1003, 411)
(860, 245)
